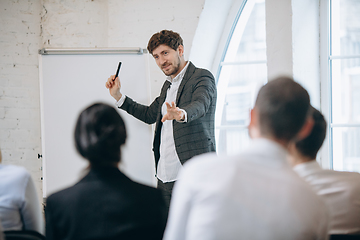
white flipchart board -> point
(69, 84)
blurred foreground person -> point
(105, 204)
(339, 190)
(256, 194)
(20, 208)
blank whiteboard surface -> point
(69, 84)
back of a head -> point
(99, 133)
(282, 106)
(309, 146)
(167, 37)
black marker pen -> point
(117, 72)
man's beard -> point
(176, 68)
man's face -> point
(167, 59)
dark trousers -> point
(166, 189)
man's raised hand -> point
(114, 86)
(173, 112)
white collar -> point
(307, 168)
(268, 152)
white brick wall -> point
(19, 85)
(70, 23)
(28, 25)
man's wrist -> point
(183, 117)
(121, 101)
(117, 97)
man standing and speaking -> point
(184, 112)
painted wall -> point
(293, 42)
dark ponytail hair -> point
(99, 133)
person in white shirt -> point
(256, 194)
(19, 204)
(339, 190)
(184, 112)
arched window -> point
(242, 71)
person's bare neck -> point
(297, 158)
(109, 164)
(281, 142)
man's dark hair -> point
(282, 106)
(167, 37)
(310, 145)
(99, 133)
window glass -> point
(346, 90)
(243, 72)
(346, 148)
(345, 84)
(253, 42)
(345, 27)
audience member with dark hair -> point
(256, 194)
(339, 190)
(20, 208)
(105, 204)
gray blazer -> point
(197, 96)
